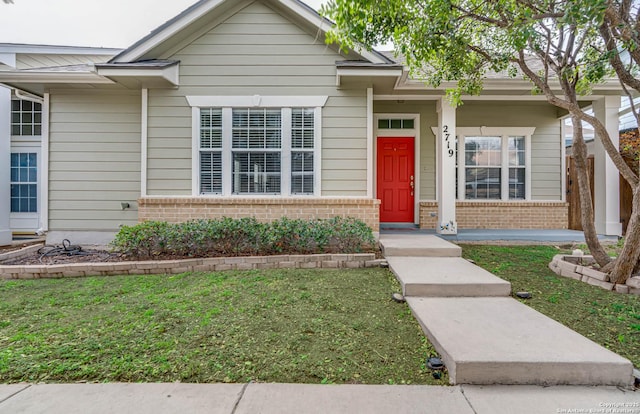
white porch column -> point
(446, 168)
(5, 162)
(606, 175)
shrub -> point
(242, 237)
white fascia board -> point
(56, 50)
(324, 25)
(53, 77)
(170, 74)
(364, 72)
(257, 101)
(130, 55)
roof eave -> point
(367, 72)
(52, 77)
(168, 76)
(53, 49)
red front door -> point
(395, 183)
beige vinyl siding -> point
(258, 52)
(428, 119)
(546, 143)
(546, 163)
(28, 61)
(94, 162)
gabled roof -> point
(203, 8)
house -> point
(21, 135)
(239, 108)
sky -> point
(97, 23)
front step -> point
(445, 277)
(501, 341)
(422, 245)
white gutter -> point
(26, 96)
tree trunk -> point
(579, 151)
(628, 259)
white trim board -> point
(257, 101)
(144, 138)
(44, 171)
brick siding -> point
(178, 209)
(501, 215)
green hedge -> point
(242, 237)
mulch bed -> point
(42, 257)
(48, 256)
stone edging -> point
(216, 264)
(578, 267)
(20, 253)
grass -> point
(300, 326)
(605, 317)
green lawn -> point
(301, 326)
(608, 318)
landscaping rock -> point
(634, 282)
(572, 259)
(595, 274)
(523, 295)
(566, 266)
(597, 282)
(572, 275)
(624, 289)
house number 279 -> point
(447, 139)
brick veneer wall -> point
(178, 209)
(501, 215)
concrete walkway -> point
(482, 334)
(546, 236)
(303, 398)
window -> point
(211, 151)
(24, 182)
(26, 118)
(257, 151)
(482, 158)
(495, 163)
(395, 123)
(302, 147)
(256, 154)
(517, 167)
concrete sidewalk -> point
(305, 398)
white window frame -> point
(227, 104)
(504, 133)
(32, 124)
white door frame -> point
(409, 133)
